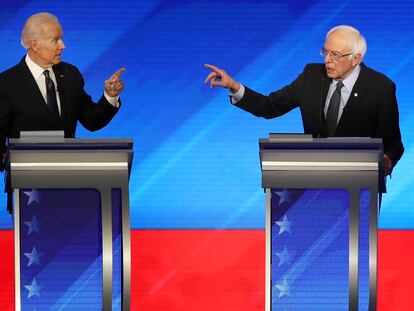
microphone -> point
(321, 107)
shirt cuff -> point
(114, 101)
(236, 97)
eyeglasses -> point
(334, 55)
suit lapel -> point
(354, 98)
(63, 96)
(31, 88)
(32, 91)
(326, 81)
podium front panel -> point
(326, 193)
(310, 250)
(56, 260)
(61, 249)
(74, 198)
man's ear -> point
(34, 45)
(356, 60)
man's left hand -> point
(387, 165)
(114, 85)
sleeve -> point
(276, 103)
(236, 97)
(93, 116)
(5, 123)
(388, 127)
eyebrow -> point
(57, 37)
(333, 51)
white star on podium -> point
(34, 257)
(284, 225)
(284, 288)
(34, 289)
(32, 225)
(284, 196)
(284, 257)
(33, 196)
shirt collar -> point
(34, 68)
(350, 80)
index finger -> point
(118, 73)
(214, 68)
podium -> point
(321, 221)
(71, 223)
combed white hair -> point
(32, 29)
(357, 42)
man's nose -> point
(61, 45)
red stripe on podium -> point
(6, 270)
(222, 270)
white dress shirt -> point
(37, 73)
(346, 90)
(40, 78)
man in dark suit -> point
(342, 97)
(24, 102)
(43, 93)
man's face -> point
(338, 43)
(47, 50)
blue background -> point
(196, 159)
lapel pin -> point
(356, 94)
(61, 76)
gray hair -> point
(32, 29)
(357, 42)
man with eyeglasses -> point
(342, 97)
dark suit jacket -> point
(22, 107)
(371, 110)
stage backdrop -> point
(196, 156)
(196, 162)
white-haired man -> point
(44, 93)
(25, 95)
(356, 100)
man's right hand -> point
(114, 85)
(221, 78)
